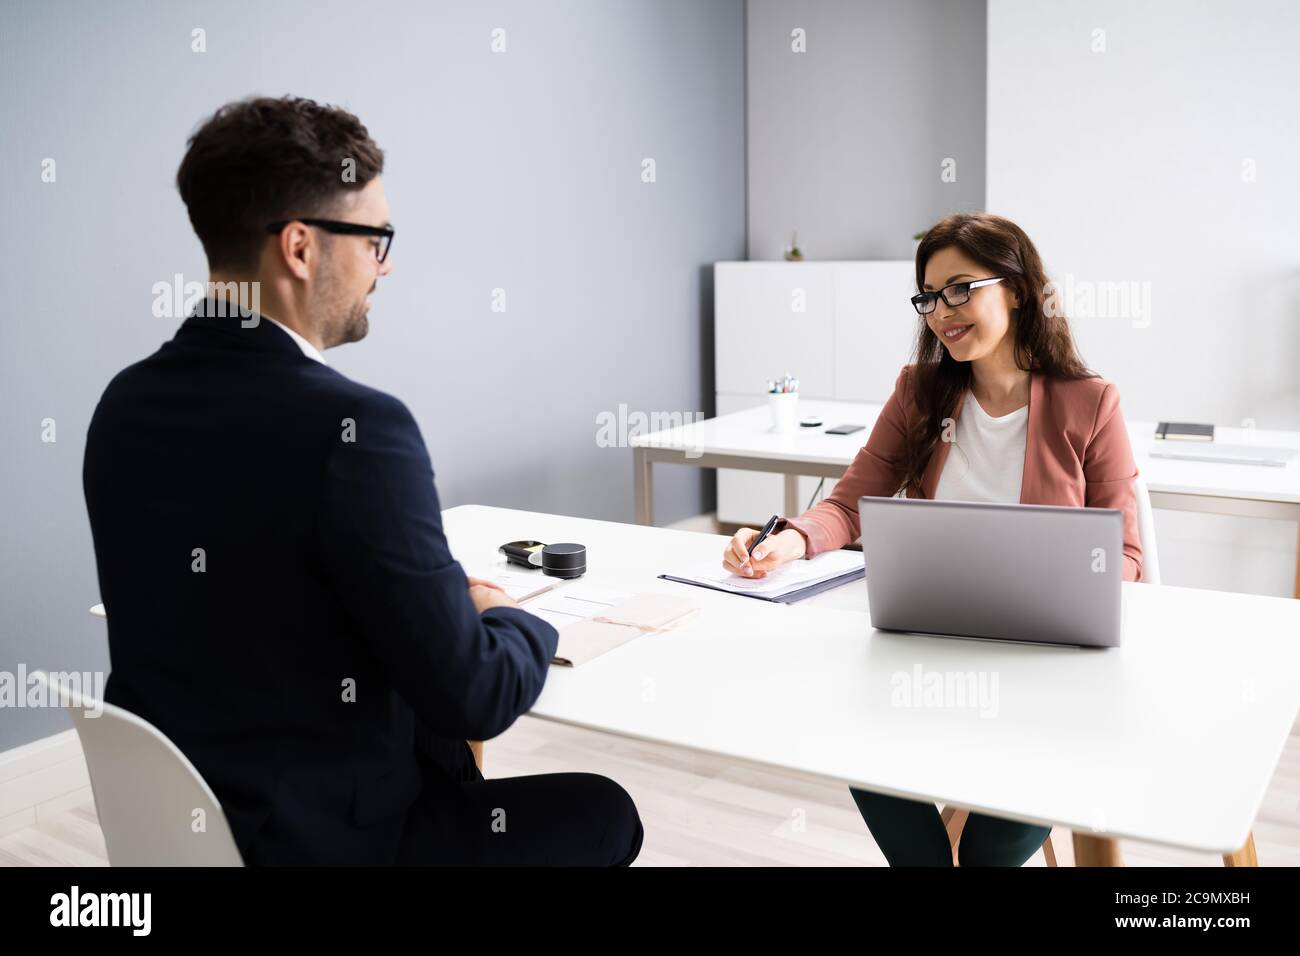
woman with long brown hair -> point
(997, 406)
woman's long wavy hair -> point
(1042, 332)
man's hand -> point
(485, 594)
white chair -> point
(954, 820)
(475, 746)
(1151, 575)
(1147, 533)
(1087, 849)
(149, 797)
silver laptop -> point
(1033, 573)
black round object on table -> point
(564, 560)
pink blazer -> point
(1077, 453)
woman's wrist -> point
(793, 543)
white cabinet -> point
(844, 328)
(875, 328)
(771, 321)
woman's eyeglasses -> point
(954, 295)
(384, 234)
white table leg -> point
(643, 480)
(792, 508)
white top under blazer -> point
(987, 460)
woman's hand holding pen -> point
(772, 552)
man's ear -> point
(297, 249)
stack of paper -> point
(788, 583)
(521, 584)
(581, 602)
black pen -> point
(767, 529)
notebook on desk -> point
(1184, 431)
(790, 582)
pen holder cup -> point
(784, 407)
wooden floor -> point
(704, 811)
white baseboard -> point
(39, 778)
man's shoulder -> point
(355, 394)
(366, 414)
(287, 384)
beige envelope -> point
(637, 615)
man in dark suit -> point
(281, 599)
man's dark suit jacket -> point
(281, 599)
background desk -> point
(1172, 738)
(743, 440)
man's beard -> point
(356, 325)
(344, 322)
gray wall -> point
(518, 170)
(846, 140)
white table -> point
(1171, 738)
(744, 440)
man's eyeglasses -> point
(382, 234)
(954, 295)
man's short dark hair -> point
(262, 160)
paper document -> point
(579, 602)
(789, 577)
(521, 584)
